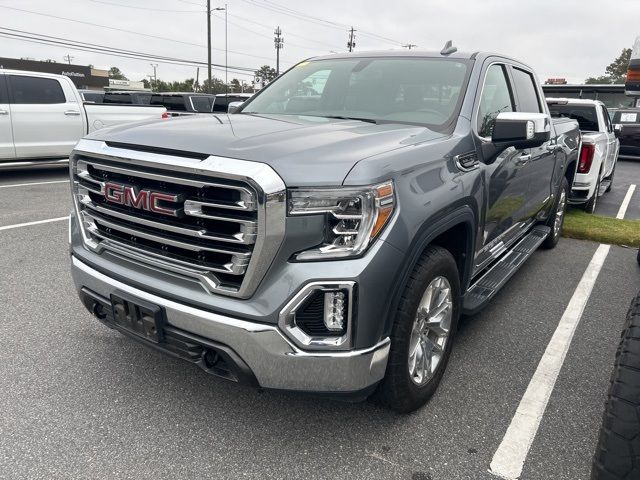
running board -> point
(491, 282)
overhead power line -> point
(275, 7)
(148, 35)
(144, 8)
(110, 51)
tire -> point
(638, 257)
(617, 455)
(610, 177)
(559, 211)
(590, 206)
(401, 389)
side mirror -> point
(618, 129)
(234, 107)
(521, 130)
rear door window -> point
(496, 98)
(35, 90)
(528, 100)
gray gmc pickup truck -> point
(328, 235)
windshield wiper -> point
(339, 117)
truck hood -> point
(303, 150)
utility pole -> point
(351, 44)
(278, 41)
(155, 77)
(68, 58)
(409, 45)
(197, 84)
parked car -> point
(329, 249)
(180, 103)
(42, 117)
(599, 151)
(95, 96)
(617, 454)
(224, 99)
(628, 123)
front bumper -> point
(272, 359)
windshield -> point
(386, 90)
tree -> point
(617, 69)
(602, 79)
(116, 74)
(265, 74)
(217, 86)
(235, 85)
(616, 72)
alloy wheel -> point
(430, 331)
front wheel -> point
(556, 220)
(617, 455)
(422, 332)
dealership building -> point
(81, 75)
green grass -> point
(583, 226)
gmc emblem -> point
(147, 200)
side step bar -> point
(494, 279)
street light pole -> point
(209, 13)
(209, 45)
(226, 52)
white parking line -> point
(34, 183)
(625, 202)
(28, 224)
(509, 459)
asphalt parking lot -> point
(81, 401)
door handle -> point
(522, 160)
(72, 113)
(553, 148)
(4, 112)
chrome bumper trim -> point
(274, 360)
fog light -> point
(334, 311)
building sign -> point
(632, 83)
(80, 75)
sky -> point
(573, 39)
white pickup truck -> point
(42, 117)
(599, 152)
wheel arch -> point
(453, 231)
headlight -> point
(355, 216)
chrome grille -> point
(217, 228)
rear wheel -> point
(590, 206)
(617, 455)
(556, 220)
(610, 178)
(422, 332)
